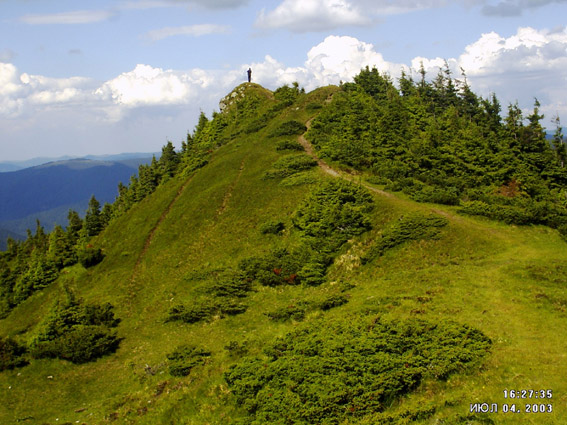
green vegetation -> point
(408, 228)
(302, 298)
(185, 358)
(11, 354)
(439, 142)
(328, 372)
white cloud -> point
(527, 50)
(312, 15)
(191, 30)
(146, 85)
(531, 63)
(150, 102)
(67, 18)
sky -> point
(106, 77)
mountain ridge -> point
(208, 274)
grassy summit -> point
(258, 284)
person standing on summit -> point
(249, 72)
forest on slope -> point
(237, 281)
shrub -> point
(290, 145)
(332, 302)
(436, 195)
(313, 106)
(273, 227)
(298, 179)
(77, 332)
(205, 310)
(407, 228)
(89, 256)
(81, 344)
(192, 313)
(229, 285)
(237, 349)
(185, 358)
(278, 267)
(331, 371)
(289, 128)
(334, 212)
(11, 354)
(291, 164)
(291, 312)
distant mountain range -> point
(47, 191)
(7, 166)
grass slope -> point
(507, 281)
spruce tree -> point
(93, 219)
(169, 160)
(74, 226)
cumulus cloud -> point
(312, 15)
(146, 85)
(68, 18)
(190, 30)
(531, 63)
(23, 93)
(527, 50)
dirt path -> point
(331, 171)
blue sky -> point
(105, 77)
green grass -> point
(507, 281)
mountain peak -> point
(241, 91)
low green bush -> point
(437, 195)
(289, 128)
(274, 227)
(77, 332)
(290, 145)
(89, 256)
(206, 309)
(278, 267)
(332, 371)
(290, 312)
(332, 302)
(290, 164)
(185, 358)
(11, 354)
(297, 311)
(229, 284)
(407, 228)
(299, 179)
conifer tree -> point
(559, 143)
(61, 251)
(169, 160)
(93, 219)
(201, 124)
(74, 226)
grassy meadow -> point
(506, 281)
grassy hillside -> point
(191, 235)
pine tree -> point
(93, 219)
(61, 251)
(74, 226)
(169, 160)
(559, 143)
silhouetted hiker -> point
(249, 72)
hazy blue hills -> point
(47, 192)
(7, 166)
